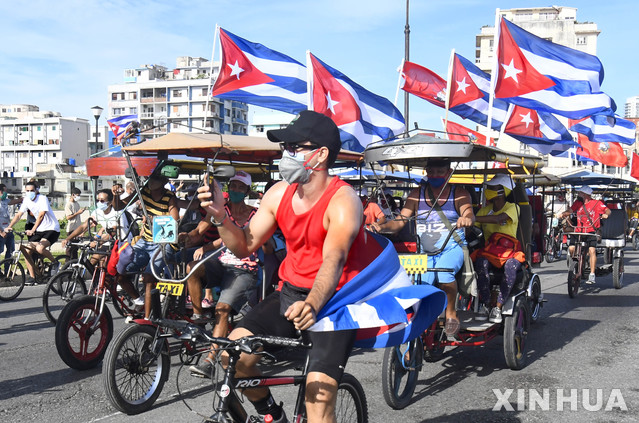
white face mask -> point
(102, 206)
(293, 168)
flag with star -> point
(475, 107)
(254, 74)
(361, 116)
(462, 88)
(539, 130)
(423, 83)
(541, 75)
(608, 153)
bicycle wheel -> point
(558, 247)
(617, 272)
(133, 375)
(12, 279)
(82, 334)
(351, 406)
(635, 242)
(549, 253)
(516, 329)
(61, 289)
(51, 269)
(121, 294)
(574, 277)
(400, 371)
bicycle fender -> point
(509, 305)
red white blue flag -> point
(540, 130)
(254, 74)
(600, 128)
(382, 304)
(541, 75)
(361, 116)
(423, 83)
(120, 125)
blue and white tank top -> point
(431, 230)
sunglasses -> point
(294, 147)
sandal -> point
(452, 327)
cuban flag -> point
(540, 130)
(457, 132)
(382, 303)
(541, 75)
(120, 125)
(361, 116)
(254, 74)
(470, 88)
(602, 128)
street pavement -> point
(582, 357)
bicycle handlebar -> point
(188, 275)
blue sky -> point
(61, 55)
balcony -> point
(147, 115)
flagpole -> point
(309, 80)
(210, 94)
(448, 85)
(493, 76)
(399, 81)
(406, 58)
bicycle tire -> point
(11, 286)
(400, 370)
(78, 345)
(617, 272)
(574, 278)
(549, 254)
(635, 242)
(516, 329)
(125, 297)
(351, 405)
(133, 375)
(534, 300)
(61, 289)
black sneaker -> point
(205, 369)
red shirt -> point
(372, 212)
(595, 209)
(305, 235)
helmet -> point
(170, 171)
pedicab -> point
(402, 363)
(611, 236)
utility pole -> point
(406, 59)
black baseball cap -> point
(309, 126)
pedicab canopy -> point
(232, 148)
(416, 150)
(110, 166)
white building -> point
(264, 120)
(176, 100)
(554, 23)
(631, 110)
(29, 137)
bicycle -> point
(553, 244)
(69, 283)
(137, 366)
(578, 261)
(12, 274)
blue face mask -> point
(436, 182)
(31, 195)
(236, 197)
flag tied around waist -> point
(382, 304)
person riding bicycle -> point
(589, 214)
(45, 231)
(321, 219)
(457, 209)
(7, 239)
(236, 276)
(498, 217)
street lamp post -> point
(97, 111)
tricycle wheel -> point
(400, 371)
(515, 333)
(617, 272)
(534, 300)
(574, 278)
(635, 242)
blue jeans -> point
(143, 250)
(9, 243)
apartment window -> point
(53, 128)
(177, 93)
(114, 96)
(39, 128)
(24, 128)
(259, 128)
(86, 186)
(228, 113)
(581, 41)
(55, 154)
(133, 95)
(133, 110)
(204, 90)
(175, 109)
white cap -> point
(503, 180)
(243, 177)
(585, 189)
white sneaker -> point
(591, 279)
(482, 313)
(495, 315)
(138, 301)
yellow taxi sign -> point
(414, 263)
(174, 289)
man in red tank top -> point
(321, 219)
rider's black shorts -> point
(330, 350)
(51, 236)
(591, 242)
